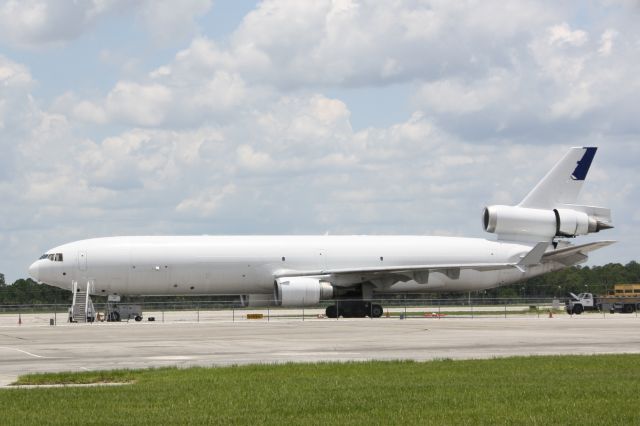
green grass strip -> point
(525, 390)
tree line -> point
(29, 292)
(576, 279)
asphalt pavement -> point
(79, 347)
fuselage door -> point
(82, 260)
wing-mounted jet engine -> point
(301, 291)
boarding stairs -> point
(82, 309)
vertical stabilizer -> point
(563, 183)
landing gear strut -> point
(354, 309)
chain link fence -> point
(234, 311)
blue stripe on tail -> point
(580, 173)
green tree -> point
(29, 292)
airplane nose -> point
(34, 271)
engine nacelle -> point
(571, 223)
(301, 291)
(510, 221)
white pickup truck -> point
(577, 304)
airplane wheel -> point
(138, 318)
(376, 311)
(331, 311)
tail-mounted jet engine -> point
(301, 291)
(509, 221)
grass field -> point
(529, 390)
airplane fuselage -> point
(219, 265)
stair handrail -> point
(74, 284)
(87, 299)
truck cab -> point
(577, 304)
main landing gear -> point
(354, 309)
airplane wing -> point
(388, 275)
(394, 269)
(418, 273)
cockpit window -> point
(54, 257)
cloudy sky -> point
(238, 117)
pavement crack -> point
(13, 337)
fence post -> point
(162, 313)
(337, 310)
(268, 314)
(505, 309)
(198, 308)
(233, 314)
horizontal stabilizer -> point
(574, 252)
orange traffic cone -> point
(550, 313)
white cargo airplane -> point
(302, 270)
